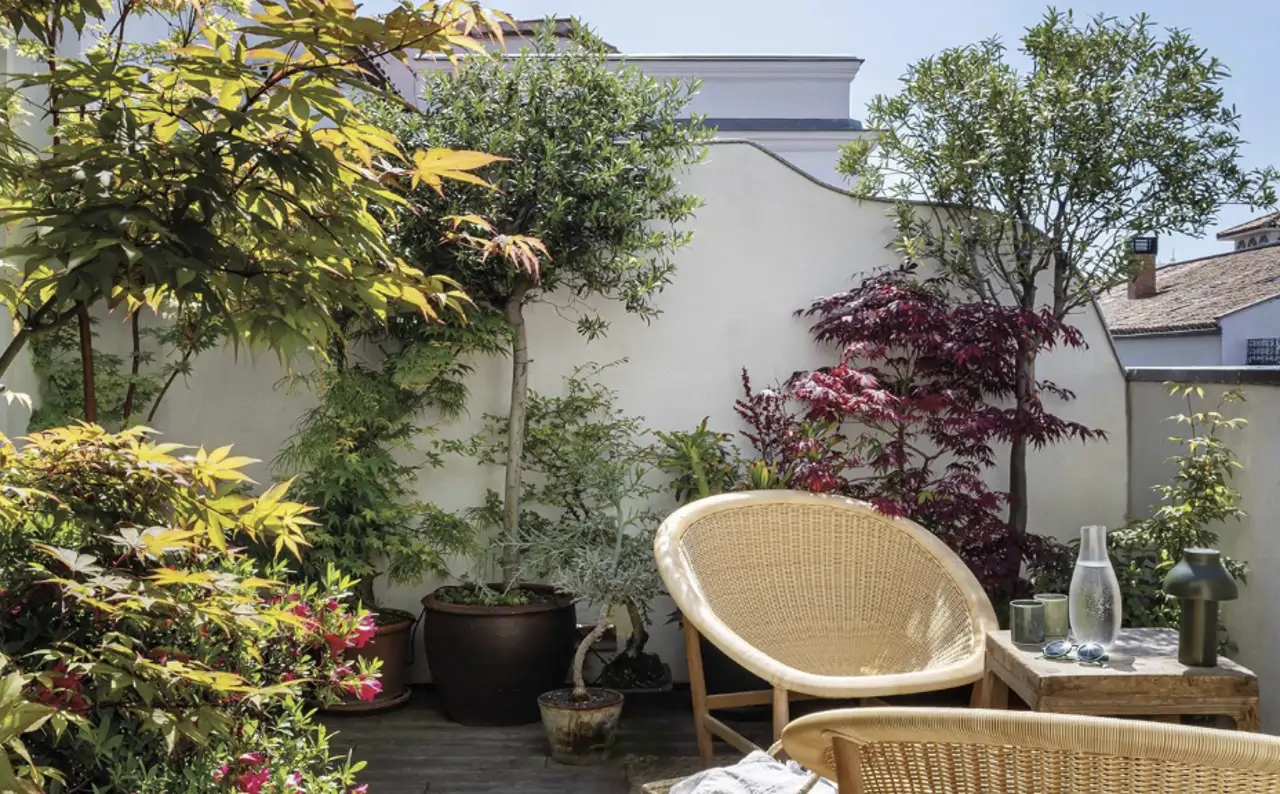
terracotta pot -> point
(392, 645)
(490, 663)
(580, 732)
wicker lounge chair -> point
(821, 597)
(968, 751)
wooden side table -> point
(1142, 678)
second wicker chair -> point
(820, 596)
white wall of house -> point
(768, 240)
(1258, 321)
(1171, 350)
(1252, 621)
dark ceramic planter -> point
(393, 645)
(489, 664)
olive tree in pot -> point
(599, 550)
(594, 153)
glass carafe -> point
(1094, 601)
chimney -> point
(1142, 258)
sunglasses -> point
(1063, 651)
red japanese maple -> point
(909, 416)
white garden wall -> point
(768, 240)
(1252, 621)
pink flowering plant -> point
(158, 655)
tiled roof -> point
(1271, 221)
(1193, 294)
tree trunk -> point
(580, 657)
(639, 634)
(134, 367)
(364, 592)
(86, 363)
(514, 313)
(1024, 393)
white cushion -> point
(758, 773)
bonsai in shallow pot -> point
(345, 455)
(601, 553)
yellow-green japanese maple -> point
(223, 164)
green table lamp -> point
(1199, 581)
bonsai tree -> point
(599, 548)
(223, 167)
(1034, 182)
(593, 153)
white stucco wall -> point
(1171, 350)
(1258, 321)
(767, 241)
(1252, 621)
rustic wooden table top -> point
(1142, 677)
(1141, 656)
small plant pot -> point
(580, 732)
(392, 644)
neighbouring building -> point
(795, 106)
(1215, 311)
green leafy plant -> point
(594, 476)
(1028, 186)
(701, 462)
(162, 657)
(225, 165)
(582, 462)
(1198, 498)
(348, 454)
(594, 150)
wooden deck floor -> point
(414, 750)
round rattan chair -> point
(820, 596)
(970, 751)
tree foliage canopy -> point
(1114, 131)
(593, 165)
(226, 165)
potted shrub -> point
(594, 153)
(344, 452)
(494, 647)
(599, 551)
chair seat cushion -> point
(758, 773)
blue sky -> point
(1245, 34)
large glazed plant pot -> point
(580, 731)
(490, 663)
(392, 644)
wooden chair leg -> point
(781, 711)
(977, 698)
(698, 688)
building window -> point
(1262, 240)
(1239, 244)
(1253, 241)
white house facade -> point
(796, 106)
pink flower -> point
(366, 687)
(287, 676)
(336, 644)
(366, 630)
(294, 783)
(252, 782)
(252, 759)
(301, 609)
(332, 605)
(363, 788)
(221, 772)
